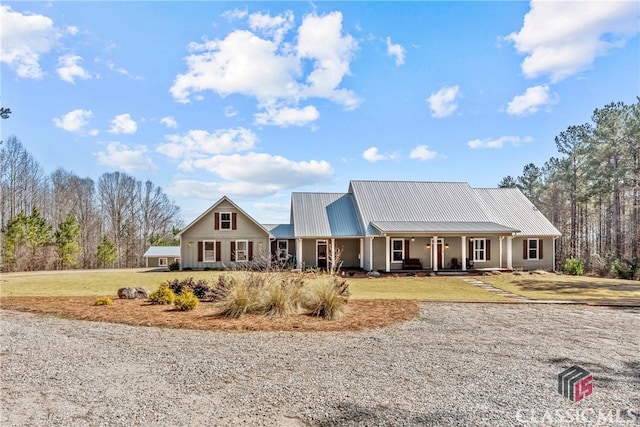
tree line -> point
(591, 190)
(61, 220)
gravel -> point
(455, 364)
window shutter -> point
(470, 255)
(406, 249)
(525, 249)
(233, 251)
(234, 221)
(250, 251)
(539, 248)
(200, 249)
(216, 220)
(488, 250)
(218, 250)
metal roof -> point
(416, 201)
(510, 207)
(162, 251)
(280, 231)
(324, 215)
(441, 227)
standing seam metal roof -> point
(324, 215)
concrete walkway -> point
(487, 287)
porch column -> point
(434, 254)
(371, 253)
(509, 253)
(361, 255)
(553, 247)
(299, 253)
(387, 244)
(463, 240)
(333, 254)
(501, 239)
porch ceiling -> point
(441, 227)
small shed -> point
(161, 256)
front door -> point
(321, 250)
(440, 253)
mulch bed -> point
(359, 315)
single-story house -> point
(161, 256)
(382, 225)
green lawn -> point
(107, 282)
(560, 287)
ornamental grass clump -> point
(240, 297)
(328, 298)
(103, 301)
(283, 297)
(186, 301)
(163, 296)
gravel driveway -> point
(455, 364)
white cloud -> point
(270, 69)
(251, 175)
(396, 50)
(443, 102)
(288, 116)
(274, 27)
(560, 39)
(74, 120)
(262, 168)
(422, 152)
(528, 103)
(235, 14)
(120, 156)
(498, 142)
(120, 70)
(24, 38)
(199, 143)
(230, 112)
(123, 123)
(73, 30)
(169, 122)
(69, 68)
(372, 155)
(214, 190)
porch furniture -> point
(411, 264)
(454, 264)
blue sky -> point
(256, 100)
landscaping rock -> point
(133, 293)
(373, 274)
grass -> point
(419, 288)
(107, 283)
(89, 282)
(564, 287)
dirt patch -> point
(360, 314)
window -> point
(479, 249)
(282, 249)
(209, 251)
(532, 252)
(397, 250)
(241, 251)
(225, 221)
(162, 262)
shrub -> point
(625, 269)
(200, 289)
(573, 267)
(174, 266)
(103, 301)
(328, 298)
(163, 296)
(186, 301)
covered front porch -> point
(440, 247)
